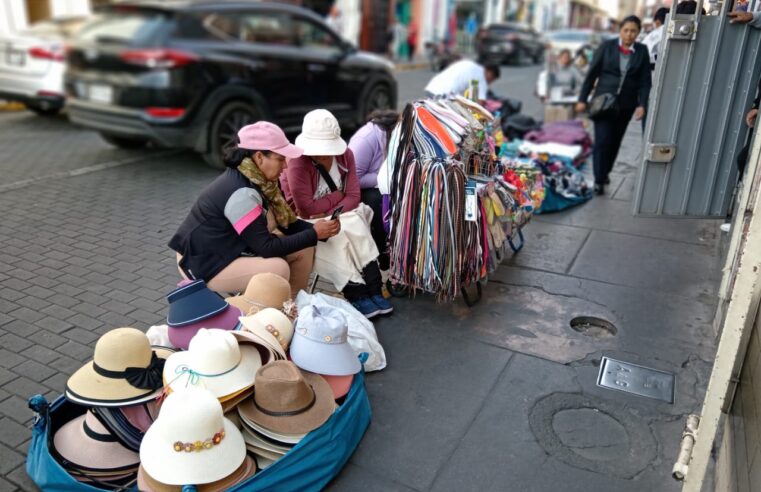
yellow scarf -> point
(284, 215)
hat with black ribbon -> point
(125, 370)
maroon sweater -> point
(300, 180)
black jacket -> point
(605, 70)
(208, 241)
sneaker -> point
(384, 307)
(367, 307)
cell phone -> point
(337, 213)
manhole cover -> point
(593, 327)
(640, 380)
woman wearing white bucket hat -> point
(324, 180)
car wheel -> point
(379, 97)
(124, 142)
(224, 129)
(45, 111)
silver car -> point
(32, 64)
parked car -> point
(191, 74)
(32, 64)
(572, 40)
(509, 43)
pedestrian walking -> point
(456, 79)
(562, 78)
(229, 235)
(471, 26)
(620, 76)
(411, 40)
(654, 37)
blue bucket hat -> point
(193, 302)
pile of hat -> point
(213, 414)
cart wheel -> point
(397, 290)
(465, 297)
(520, 245)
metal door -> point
(704, 84)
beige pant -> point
(234, 278)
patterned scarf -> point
(284, 215)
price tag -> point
(471, 202)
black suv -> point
(191, 74)
(509, 43)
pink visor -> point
(180, 336)
(264, 135)
(339, 384)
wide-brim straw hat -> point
(180, 336)
(191, 442)
(146, 483)
(121, 355)
(321, 134)
(270, 328)
(264, 290)
(260, 441)
(287, 401)
(214, 361)
(86, 444)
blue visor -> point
(192, 303)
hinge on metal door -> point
(682, 29)
(682, 465)
(661, 152)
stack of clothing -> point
(571, 138)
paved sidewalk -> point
(490, 398)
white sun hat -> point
(215, 361)
(191, 442)
(321, 134)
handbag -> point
(606, 105)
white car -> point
(572, 40)
(32, 64)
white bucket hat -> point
(320, 343)
(191, 442)
(321, 134)
(215, 361)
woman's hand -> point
(740, 17)
(581, 107)
(750, 118)
(326, 229)
(639, 113)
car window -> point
(249, 27)
(125, 28)
(311, 35)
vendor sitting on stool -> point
(323, 180)
(227, 237)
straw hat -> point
(288, 401)
(321, 134)
(321, 344)
(214, 361)
(267, 353)
(271, 327)
(86, 444)
(191, 442)
(146, 483)
(264, 290)
(125, 370)
(180, 336)
(192, 302)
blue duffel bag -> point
(310, 465)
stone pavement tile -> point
(13, 342)
(83, 322)
(81, 335)
(57, 382)
(549, 247)
(9, 459)
(39, 292)
(353, 478)
(6, 486)
(53, 325)
(89, 309)
(34, 370)
(13, 434)
(20, 478)
(33, 303)
(66, 365)
(19, 328)
(120, 306)
(24, 388)
(76, 350)
(48, 339)
(687, 270)
(16, 407)
(501, 452)
(604, 214)
(10, 359)
(5, 376)
(41, 354)
(411, 398)
(26, 314)
(58, 311)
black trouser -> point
(373, 284)
(372, 198)
(609, 133)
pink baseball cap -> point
(264, 135)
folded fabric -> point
(562, 150)
(341, 258)
(362, 335)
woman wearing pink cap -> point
(241, 224)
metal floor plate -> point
(642, 381)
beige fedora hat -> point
(288, 401)
(125, 370)
(146, 483)
(191, 443)
(215, 361)
(265, 290)
(271, 326)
